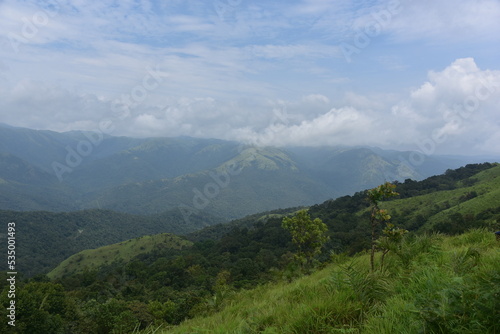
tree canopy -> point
(308, 235)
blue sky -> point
(418, 75)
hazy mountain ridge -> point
(17, 170)
(152, 175)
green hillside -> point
(474, 197)
(435, 284)
(44, 239)
(92, 259)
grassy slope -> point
(123, 251)
(450, 283)
(431, 206)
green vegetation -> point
(450, 285)
(451, 203)
(377, 215)
(308, 235)
(443, 203)
(243, 277)
(47, 238)
(123, 252)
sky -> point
(408, 75)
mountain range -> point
(77, 170)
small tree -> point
(378, 215)
(308, 235)
(390, 241)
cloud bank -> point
(456, 108)
(268, 73)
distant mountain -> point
(152, 159)
(24, 186)
(254, 180)
(16, 170)
(46, 170)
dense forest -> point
(44, 239)
(167, 285)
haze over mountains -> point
(45, 170)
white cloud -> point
(318, 98)
(36, 105)
(455, 108)
(459, 104)
(365, 102)
(336, 127)
(264, 71)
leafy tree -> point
(163, 312)
(309, 235)
(377, 215)
(40, 308)
(110, 317)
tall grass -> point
(435, 284)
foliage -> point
(420, 209)
(44, 239)
(377, 215)
(307, 234)
(162, 287)
(41, 307)
(390, 240)
(427, 297)
(123, 252)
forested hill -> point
(166, 285)
(418, 202)
(44, 239)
